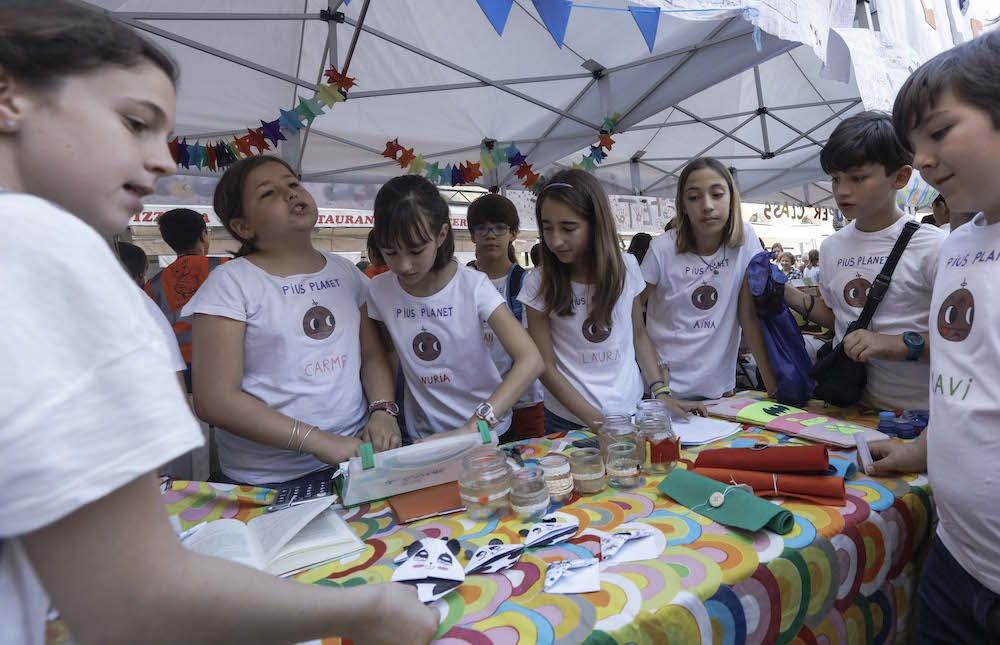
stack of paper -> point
(695, 431)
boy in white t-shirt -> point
(493, 223)
(868, 165)
(948, 112)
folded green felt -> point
(739, 508)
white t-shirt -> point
(302, 356)
(439, 341)
(502, 359)
(946, 227)
(176, 359)
(692, 316)
(849, 260)
(812, 273)
(90, 401)
(964, 441)
(598, 363)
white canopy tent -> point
(739, 80)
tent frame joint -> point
(761, 111)
(767, 155)
(335, 16)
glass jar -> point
(485, 483)
(558, 477)
(662, 447)
(623, 465)
(615, 429)
(651, 409)
(529, 496)
(588, 471)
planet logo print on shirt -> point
(318, 323)
(956, 315)
(856, 291)
(426, 346)
(705, 297)
(594, 332)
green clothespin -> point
(484, 431)
(367, 456)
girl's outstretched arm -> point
(553, 380)
(379, 382)
(118, 574)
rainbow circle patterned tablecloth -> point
(843, 575)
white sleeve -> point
(93, 402)
(634, 282)
(651, 263)
(530, 295)
(372, 294)
(824, 285)
(487, 296)
(222, 294)
(169, 337)
(930, 265)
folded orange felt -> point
(827, 490)
(773, 459)
(426, 502)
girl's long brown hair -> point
(228, 198)
(585, 197)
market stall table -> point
(845, 574)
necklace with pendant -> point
(715, 269)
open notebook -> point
(281, 542)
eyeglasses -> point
(495, 229)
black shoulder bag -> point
(840, 380)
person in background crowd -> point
(493, 223)
(776, 251)
(535, 254)
(787, 263)
(184, 231)
(84, 527)
(363, 265)
(377, 264)
(639, 245)
(812, 272)
(941, 212)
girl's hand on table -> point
(399, 617)
(893, 457)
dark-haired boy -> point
(185, 231)
(868, 164)
(493, 224)
(948, 113)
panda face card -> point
(431, 565)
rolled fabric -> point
(827, 490)
(736, 507)
(772, 459)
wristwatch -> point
(914, 343)
(486, 412)
(384, 405)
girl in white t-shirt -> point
(91, 406)
(584, 310)
(283, 351)
(697, 299)
(433, 310)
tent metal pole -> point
(818, 125)
(797, 106)
(667, 174)
(420, 89)
(347, 142)
(162, 33)
(663, 79)
(354, 37)
(331, 51)
(690, 49)
(552, 126)
(794, 129)
(761, 108)
(471, 74)
(213, 15)
(728, 135)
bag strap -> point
(515, 278)
(881, 284)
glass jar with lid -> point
(558, 477)
(529, 496)
(661, 446)
(588, 471)
(616, 429)
(484, 485)
(651, 409)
